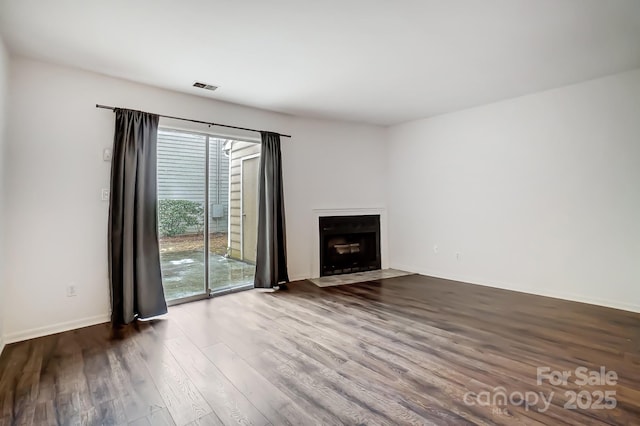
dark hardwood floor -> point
(407, 350)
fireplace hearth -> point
(349, 244)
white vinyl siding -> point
(238, 151)
(180, 172)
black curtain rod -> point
(195, 121)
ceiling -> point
(372, 61)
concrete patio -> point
(183, 273)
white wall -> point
(539, 194)
(57, 223)
(4, 75)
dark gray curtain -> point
(271, 256)
(134, 257)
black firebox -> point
(349, 244)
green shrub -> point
(175, 217)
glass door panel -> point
(181, 209)
(233, 192)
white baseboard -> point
(625, 306)
(99, 319)
(55, 328)
(299, 277)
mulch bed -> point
(217, 243)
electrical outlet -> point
(71, 290)
(105, 194)
(458, 256)
(436, 249)
(107, 154)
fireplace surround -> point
(349, 244)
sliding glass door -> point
(207, 193)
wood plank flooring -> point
(407, 350)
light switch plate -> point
(107, 154)
(105, 194)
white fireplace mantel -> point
(315, 234)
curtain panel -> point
(134, 256)
(271, 255)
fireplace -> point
(349, 244)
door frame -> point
(248, 157)
(208, 291)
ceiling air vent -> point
(204, 86)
